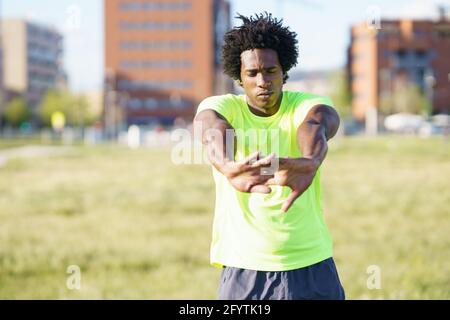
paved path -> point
(31, 152)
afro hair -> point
(259, 32)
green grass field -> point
(139, 227)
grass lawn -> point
(139, 227)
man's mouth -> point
(265, 94)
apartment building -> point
(162, 58)
(417, 51)
(32, 59)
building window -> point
(156, 45)
(387, 53)
(152, 25)
(388, 30)
(151, 103)
(156, 64)
(135, 104)
(158, 103)
(401, 54)
(155, 85)
(418, 34)
(155, 6)
(38, 34)
(421, 54)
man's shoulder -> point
(223, 104)
(297, 99)
(224, 98)
(303, 96)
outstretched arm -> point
(320, 125)
(213, 128)
(244, 175)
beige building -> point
(95, 101)
(32, 59)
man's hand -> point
(246, 176)
(296, 174)
(320, 124)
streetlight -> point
(110, 100)
(124, 97)
(430, 81)
(110, 106)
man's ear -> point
(239, 82)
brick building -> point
(416, 50)
(162, 58)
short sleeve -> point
(222, 104)
(306, 104)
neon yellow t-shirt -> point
(249, 230)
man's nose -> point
(262, 81)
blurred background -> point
(94, 96)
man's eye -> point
(251, 74)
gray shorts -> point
(319, 281)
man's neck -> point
(266, 112)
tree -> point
(16, 112)
(407, 98)
(54, 101)
(75, 108)
(340, 93)
(79, 111)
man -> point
(269, 233)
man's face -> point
(262, 78)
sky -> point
(322, 27)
